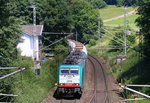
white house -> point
(30, 46)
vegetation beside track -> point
(134, 70)
(32, 88)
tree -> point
(85, 19)
(143, 22)
(9, 34)
(97, 4)
(9, 37)
(110, 2)
(60, 16)
(130, 40)
(120, 2)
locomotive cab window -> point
(64, 71)
(70, 71)
(75, 72)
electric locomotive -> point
(71, 74)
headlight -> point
(77, 84)
(61, 84)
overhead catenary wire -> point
(114, 36)
(127, 45)
(109, 38)
(45, 48)
(112, 39)
(54, 33)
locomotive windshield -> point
(64, 71)
(75, 72)
(70, 71)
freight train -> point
(71, 71)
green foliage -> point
(108, 12)
(97, 4)
(120, 22)
(9, 38)
(84, 19)
(144, 24)
(134, 70)
(92, 42)
(121, 2)
(130, 39)
(33, 88)
(110, 2)
(60, 49)
(59, 16)
(21, 9)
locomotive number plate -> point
(69, 81)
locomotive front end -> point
(69, 79)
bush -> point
(33, 88)
(92, 42)
(130, 39)
(97, 4)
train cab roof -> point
(75, 57)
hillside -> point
(112, 11)
(108, 13)
(134, 70)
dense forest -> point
(72, 16)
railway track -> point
(68, 101)
(96, 82)
(100, 94)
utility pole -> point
(125, 32)
(35, 41)
(99, 26)
(34, 30)
(76, 36)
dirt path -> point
(121, 16)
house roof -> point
(28, 29)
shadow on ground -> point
(58, 96)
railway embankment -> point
(133, 70)
(33, 88)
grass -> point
(112, 11)
(120, 22)
(134, 70)
(33, 88)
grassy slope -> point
(32, 88)
(112, 11)
(120, 22)
(130, 71)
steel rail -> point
(95, 83)
(75, 101)
(107, 94)
(61, 100)
(104, 80)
